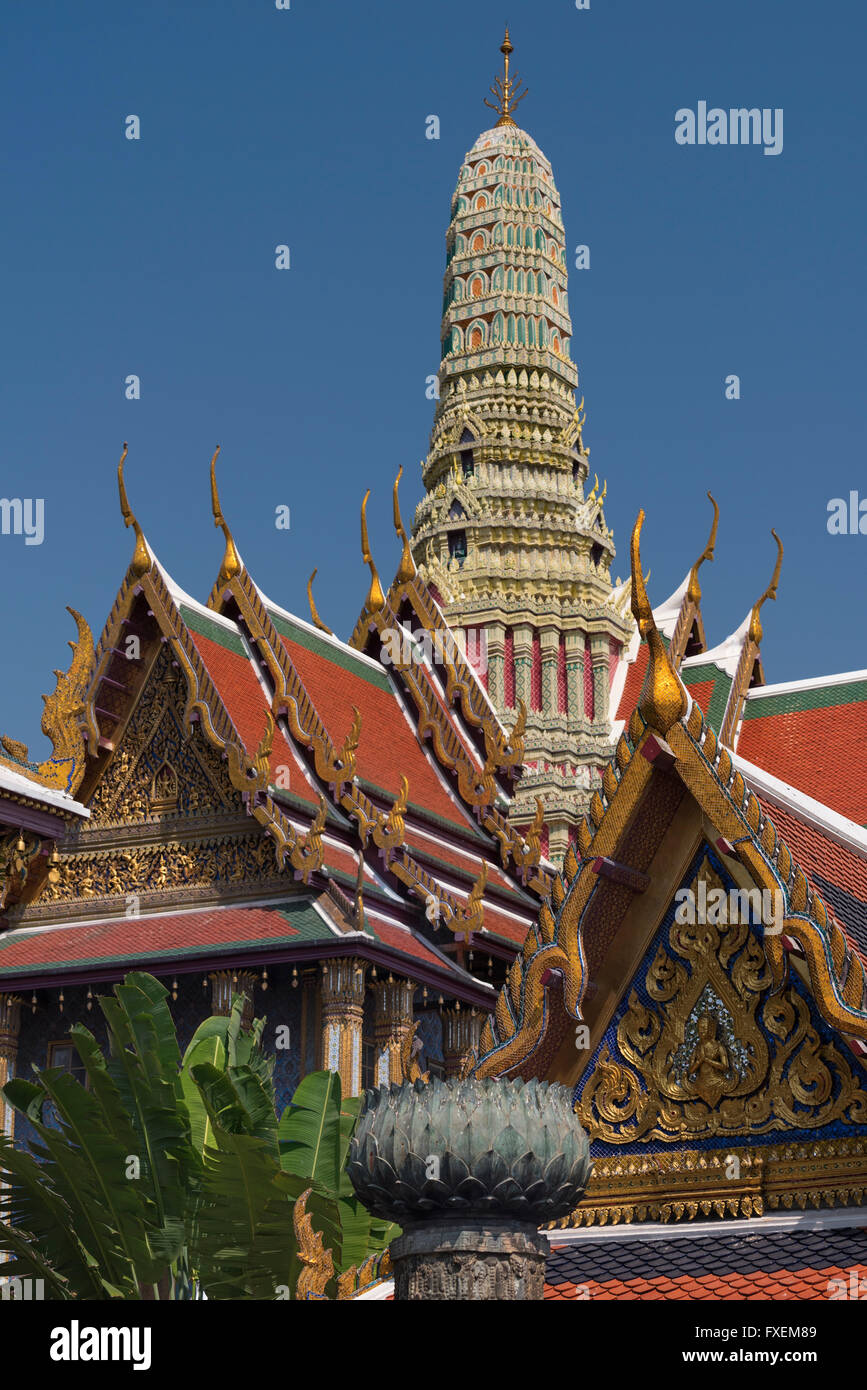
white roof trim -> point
(181, 596)
(839, 828)
(22, 784)
(327, 637)
(667, 613)
(811, 683)
(727, 655)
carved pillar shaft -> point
(550, 641)
(575, 675)
(496, 644)
(461, 1031)
(523, 639)
(599, 656)
(10, 1027)
(450, 1260)
(343, 983)
(392, 1022)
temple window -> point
(477, 287)
(468, 461)
(479, 241)
(64, 1056)
(458, 546)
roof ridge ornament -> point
(505, 89)
(406, 569)
(756, 631)
(141, 560)
(694, 588)
(375, 597)
(663, 701)
(314, 613)
(231, 566)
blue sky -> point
(307, 127)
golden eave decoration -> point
(506, 89)
(64, 770)
(664, 700)
(406, 568)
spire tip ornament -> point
(694, 590)
(756, 631)
(663, 700)
(505, 90)
(231, 565)
(141, 560)
(375, 596)
(406, 568)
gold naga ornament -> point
(406, 569)
(770, 593)
(375, 597)
(64, 770)
(231, 566)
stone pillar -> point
(523, 637)
(225, 983)
(496, 644)
(10, 1027)
(528, 1161)
(392, 1023)
(343, 982)
(575, 675)
(599, 653)
(461, 1031)
(558, 840)
(549, 639)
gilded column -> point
(575, 674)
(10, 1027)
(343, 984)
(461, 1031)
(226, 983)
(392, 1023)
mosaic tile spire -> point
(511, 541)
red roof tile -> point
(816, 750)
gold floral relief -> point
(158, 770)
(715, 1052)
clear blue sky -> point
(307, 127)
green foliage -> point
(166, 1175)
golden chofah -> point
(375, 596)
(141, 560)
(314, 612)
(770, 592)
(664, 699)
(694, 588)
(231, 565)
(406, 568)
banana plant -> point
(166, 1177)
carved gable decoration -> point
(701, 1046)
(158, 768)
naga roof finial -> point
(141, 560)
(231, 565)
(663, 700)
(694, 588)
(375, 596)
(770, 592)
(317, 621)
(505, 89)
(406, 568)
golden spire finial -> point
(375, 596)
(663, 699)
(406, 568)
(141, 560)
(770, 592)
(317, 621)
(231, 562)
(505, 88)
(694, 588)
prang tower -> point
(509, 539)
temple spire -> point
(505, 90)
